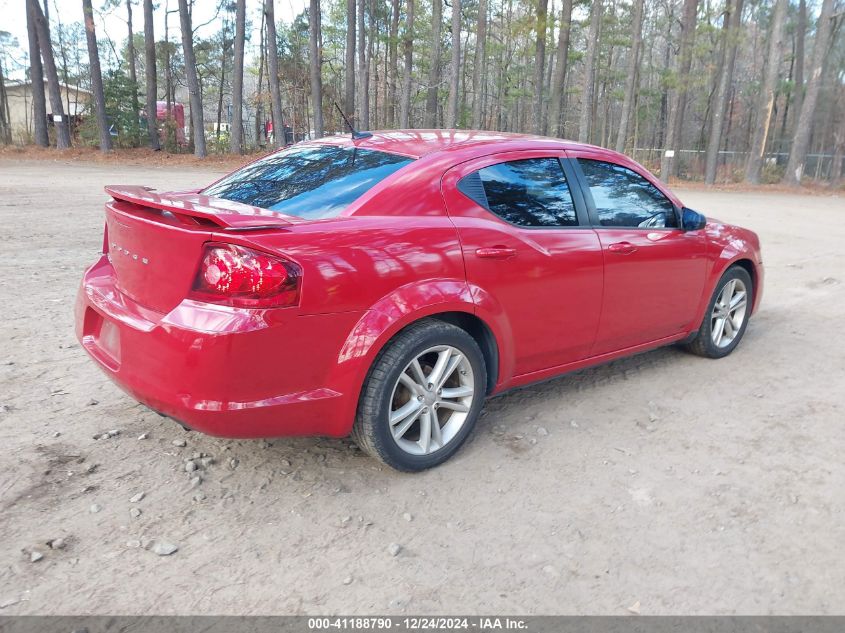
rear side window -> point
(532, 192)
(308, 182)
(623, 198)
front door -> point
(654, 272)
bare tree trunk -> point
(432, 100)
(455, 66)
(632, 80)
(63, 56)
(669, 166)
(559, 77)
(393, 64)
(61, 125)
(224, 54)
(259, 97)
(151, 79)
(363, 69)
(589, 73)
(373, 24)
(803, 127)
(273, 78)
(198, 132)
(236, 130)
(133, 73)
(479, 69)
(168, 83)
(838, 149)
(96, 77)
(800, 36)
(5, 124)
(766, 100)
(36, 76)
(660, 128)
(349, 71)
(316, 64)
(733, 22)
(540, 66)
(373, 49)
(408, 53)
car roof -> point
(419, 143)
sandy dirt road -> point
(687, 485)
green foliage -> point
(124, 127)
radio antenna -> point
(355, 133)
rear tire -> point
(422, 396)
(726, 316)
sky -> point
(113, 21)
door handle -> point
(495, 252)
(623, 248)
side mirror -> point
(692, 220)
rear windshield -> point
(308, 182)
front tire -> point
(422, 396)
(726, 317)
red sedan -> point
(385, 286)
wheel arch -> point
(473, 325)
(462, 316)
(449, 300)
(720, 267)
(751, 269)
(746, 263)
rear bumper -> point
(224, 371)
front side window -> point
(317, 181)
(532, 192)
(623, 198)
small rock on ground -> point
(136, 498)
(95, 508)
(34, 557)
(180, 443)
(394, 549)
(135, 513)
(163, 548)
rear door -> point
(654, 272)
(527, 242)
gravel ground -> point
(663, 483)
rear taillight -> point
(238, 276)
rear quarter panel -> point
(383, 272)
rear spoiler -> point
(224, 213)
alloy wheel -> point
(431, 400)
(729, 313)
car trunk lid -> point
(155, 240)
